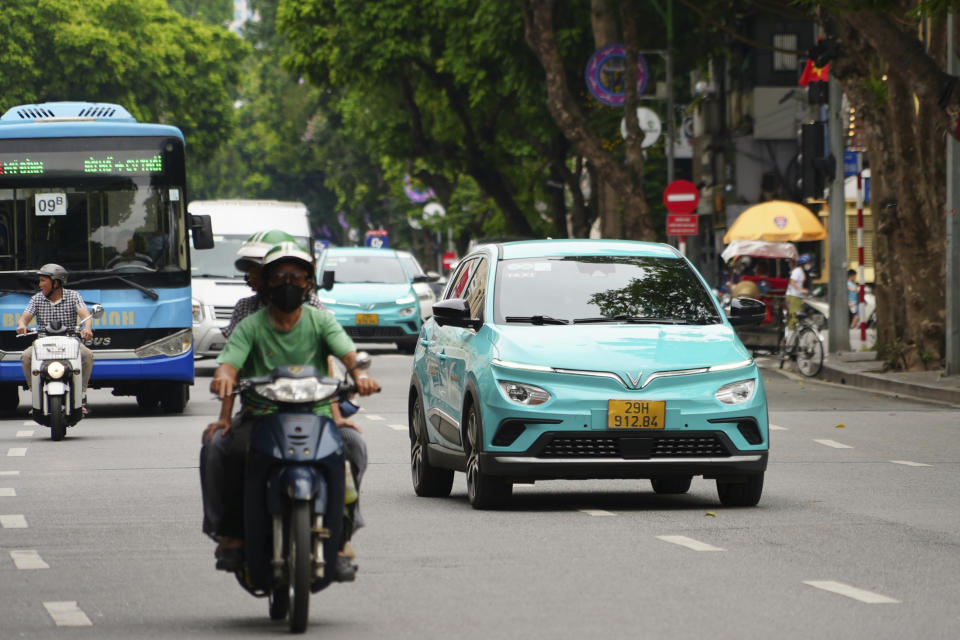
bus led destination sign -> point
(119, 163)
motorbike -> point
(295, 491)
(57, 376)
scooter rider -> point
(54, 302)
(286, 332)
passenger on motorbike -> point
(286, 332)
(53, 302)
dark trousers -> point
(221, 476)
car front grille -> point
(222, 313)
(374, 332)
(702, 446)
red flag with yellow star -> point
(813, 73)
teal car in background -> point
(372, 295)
(576, 359)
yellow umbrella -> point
(776, 221)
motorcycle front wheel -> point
(58, 418)
(298, 565)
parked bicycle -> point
(802, 345)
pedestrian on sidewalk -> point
(796, 288)
(853, 298)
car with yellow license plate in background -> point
(574, 359)
(372, 297)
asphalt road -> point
(856, 536)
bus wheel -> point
(9, 397)
(173, 397)
(147, 399)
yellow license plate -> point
(635, 414)
(368, 318)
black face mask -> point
(286, 297)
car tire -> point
(9, 397)
(483, 491)
(428, 481)
(407, 347)
(740, 494)
(672, 484)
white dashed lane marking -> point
(776, 427)
(13, 521)
(67, 614)
(29, 423)
(398, 427)
(911, 464)
(13, 452)
(862, 595)
(9, 473)
(600, 513)
(28, 559)
(834, 444)
(375, 418)
(26, 433)
(689, 543)
(7, 492)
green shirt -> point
(256, 347)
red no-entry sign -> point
(681, 196)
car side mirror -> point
(327, 280)
(433, 276)
(456, 313)
(744, 311)
(202, 231)
(421, 277)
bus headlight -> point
(173, 345)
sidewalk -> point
(862, 369)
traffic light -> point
(815, 167)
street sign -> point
(448, 259)
(682, 224)
(681, 196)
(649, 123)
(377, 239)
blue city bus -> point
(88, 187)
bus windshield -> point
(93, 205)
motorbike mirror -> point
(363, 361)
(96, 310)
(326, 282)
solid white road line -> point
(13, 521)
(29, 423)
(689, 543)
(375, 418)
(599, 513)
(13, 452)
(7, 492)
(67, 614)
(776, 427)
(26, 433)
(9, 473)
(851, 592)
(911, 464)
(398, 427)
(834, 444)
(28, 559)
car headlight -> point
(736, 392)
(55, 370)
(173, 345)
(406, 300)
(407, 311)
(525, 394)
(197, 312)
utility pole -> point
(839, 323)
(953, 226)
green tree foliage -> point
(208, 11)
(158, 64)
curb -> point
(883, 382)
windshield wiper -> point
(215, 275)
(153, 295)
(537, 319)
(632, 320)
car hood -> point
(623, 349)
(368, 292)
(219, 292)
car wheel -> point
(9, 397)
(484, 491)
(740, 494)
(428, 481)
(407, 347)
(675, 484)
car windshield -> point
(360, 268)
(586, 289)
(218, 262)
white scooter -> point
(57, 376)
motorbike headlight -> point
(296, 390)
(173, 345)
(736, 392)
(56, 370)
(525, 394)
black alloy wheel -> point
(483, 491)
(428, 481)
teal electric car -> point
(574, 359)
(373, 297)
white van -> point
(216, 283)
